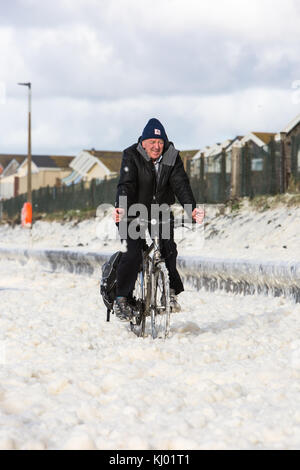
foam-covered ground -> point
(228, 376)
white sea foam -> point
(226, 378)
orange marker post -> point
(26, 215)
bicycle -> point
(151, 297)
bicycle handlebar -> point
(145, 222)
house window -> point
(257, 164)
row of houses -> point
(57, 170)
(258, 143)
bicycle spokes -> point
(152, 296)
(160, 303)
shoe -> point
(174, 305)
(122, 309)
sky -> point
(100, 69)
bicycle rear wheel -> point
(138, 322)
(160, 302)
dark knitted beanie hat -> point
(154, 130)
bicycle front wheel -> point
(160, 302)
(141, 295)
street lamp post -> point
(29, 188)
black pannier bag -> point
(108, 284)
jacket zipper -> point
(155, 182)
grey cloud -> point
(166, 64)
(48, 13)
(118, 68)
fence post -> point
(222, 191)
(273, 186)
(202, 180)
(235, 172)
(92, 192)
(246, 171)
(1, 210)
(283, 165)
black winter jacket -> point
(139, 183)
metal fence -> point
(211, 178)
(242, 171)
(238, 172)
(65, 198)
(261, 170)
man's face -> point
(153, 147)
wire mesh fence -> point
(236, 172)
(211, 178)
(65, 198)
(261, 169)
(241, 171)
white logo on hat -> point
(157, 132)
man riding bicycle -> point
(152, 173)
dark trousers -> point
(131, 260)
